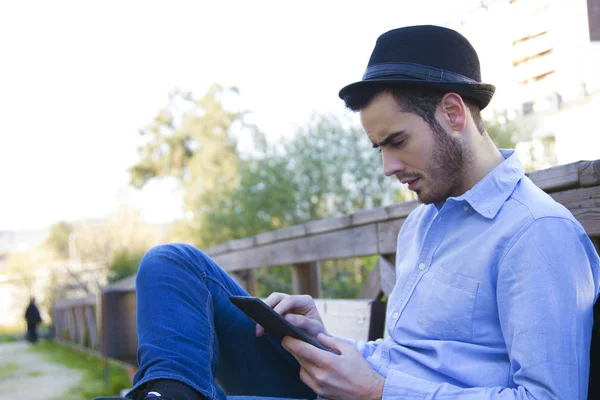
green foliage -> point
(274, 279)
(327, 169)
(344, 279)
(335, 170)
(502, 131)
(192, 140)
(92, 384)
(123, 264)
(11, 333)
(58, 239)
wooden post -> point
(80, 327)
(247, 280)
(306, 279)
(387, 272)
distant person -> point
(33, 317)
(495, 281)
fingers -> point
(308, 325)
(299, 304)
(274, 298)
(307, 354)
(308, 379)
(335, 344)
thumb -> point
(335, 344)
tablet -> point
(275, 324)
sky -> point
(79, 79)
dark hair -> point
(418, 101)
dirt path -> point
(27, 375)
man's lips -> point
(410, 181)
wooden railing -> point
(371, 232)
(75, 321)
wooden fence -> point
(370, 232)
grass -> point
(11, 333)
(7, 370)
(92, 383)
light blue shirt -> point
(493, 297)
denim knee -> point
(174, 258)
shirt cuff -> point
(351, 342)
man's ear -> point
(454, 111)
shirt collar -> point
(490, 193)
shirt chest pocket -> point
(446, 312)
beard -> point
(446, 170)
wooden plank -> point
(346, 318)
(240, 244)
(372, 287)
(584, 204)
(387, 273)
(556, 178)
(370, 216)
(218, 249)
(71, 325)
(401, 210)
(329, 224)
(281, 234)
(69, 303)
(79, 326)
(90, 316)
(387, 236)
(247, 280)
(589, 173)
(306, 279)
(354, 242)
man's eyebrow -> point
(389, 138)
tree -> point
(123, 263)
(23, 267)
(116, 243)
(328, 168)
(193, 141)
(58, 239)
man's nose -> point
(391, 164)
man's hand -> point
(346, 376)
(300, 311)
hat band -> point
(418, 71)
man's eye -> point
(396, 145)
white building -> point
(544, 58)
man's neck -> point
(483, 158)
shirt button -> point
(422, 266)
(466, 207)
(395, 315)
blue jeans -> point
(189, 331)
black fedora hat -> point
(425, 56)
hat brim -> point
(481, 92)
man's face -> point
(428, 159)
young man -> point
(495, 281)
